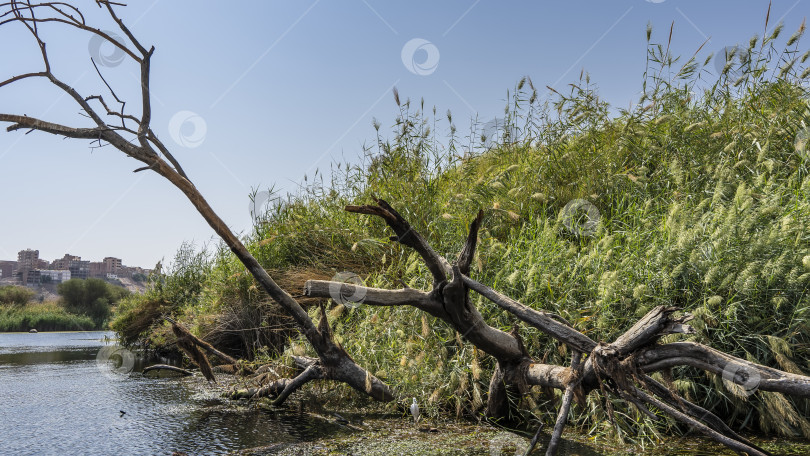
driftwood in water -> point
(618, 368)
(190, 345)
(185, 339)
(166, 367)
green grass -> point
(48, 316)
(704, 194)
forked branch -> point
(617, 368)
(141, 143)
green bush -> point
(137, 318)
(14, 295)
(91, 297)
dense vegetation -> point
(90, 297)
(11, 295)
(46, 316)
(703, 190)
(83, 305)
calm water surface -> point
(56, 398)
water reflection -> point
(56, 400)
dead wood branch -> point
(140, 143)
(406, 235)
(160, 367)
(279, 386)
(201, 343)
(190, 345)
(617, 368)
(565, 407)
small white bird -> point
(415, 410)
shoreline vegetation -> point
(697, 199)
(702, 200)
(46, 316)
(84, 305)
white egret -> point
(415, 410)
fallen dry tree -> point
(620, 368)
(196, 348)
(107, 123)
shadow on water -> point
(77, 393)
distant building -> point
(79, 269)
(112, 265)
(7, 269)
(97, 270)
(30, 269)
(32, 277)
(64, 262)
(54, 276)
(27, 261)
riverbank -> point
(46, 316)
(697, 197)
(112, 408)
(385, 435)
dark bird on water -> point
(122, 413)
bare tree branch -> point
(25, 122)
(542, 320)
(406, 235)
(336, 364)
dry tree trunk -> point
(617, 368)
(134, 137)
(190, 345)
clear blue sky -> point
(285, 87)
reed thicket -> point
(704, 199)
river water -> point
(58, 398)
(77, 393)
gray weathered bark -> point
(617, 368)
(145, 147)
